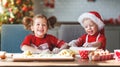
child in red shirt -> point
(94, 27)
(40, 41)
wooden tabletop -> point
(73, 63)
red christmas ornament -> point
(11, 19)
(6, 4)
(46, 3)
(52, 4)
(111, 21)
(10, 9)
(30, 8)
(18, 2)
(25, 8)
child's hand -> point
(47, 51)
(86, 44)
(95, 44)
(72, 43)
(56, 50)
(92, 44)
(64, 46)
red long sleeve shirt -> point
(51, 40)
(102, 39)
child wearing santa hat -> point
(94, 27)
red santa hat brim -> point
(94, 18)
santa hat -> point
(94, 16)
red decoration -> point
(49, 3)
(25, 8)
(6, 5)
(118, 54)
(18, 2)
(10, 9)
(30, 8)
(11, 19)
(84, 54)
(15, 10)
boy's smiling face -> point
(90, 27)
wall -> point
(69, 10)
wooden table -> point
(75, 63)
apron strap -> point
(86, 41)
(97, 37)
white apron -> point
(86, 41)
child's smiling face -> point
(40, 27)
(90, 27)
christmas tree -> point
(13, 11)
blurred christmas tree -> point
(13, 11)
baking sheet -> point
(47, 57)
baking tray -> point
(20, 57)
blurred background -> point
(66, 13)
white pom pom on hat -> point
(94, 16)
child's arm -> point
(31, 49)
(64, 46)
(94, 44)
(73, 43)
